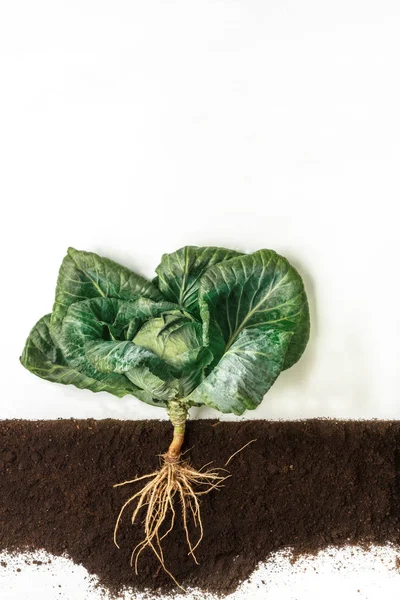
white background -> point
(131, 128)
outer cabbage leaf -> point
(44, 359)
(120, 357)
(252, 291)
(85, 275)
(256, 323)
(179, 273)
(153, 385)
(84, 322)
(193, 374)
(245, 373)
(143, 368)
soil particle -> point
(303, 485)
(36, 457)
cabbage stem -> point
(177, 412)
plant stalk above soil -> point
(177, 412)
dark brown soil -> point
(304, 485)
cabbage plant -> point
(215, 328)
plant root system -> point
(176, 480)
